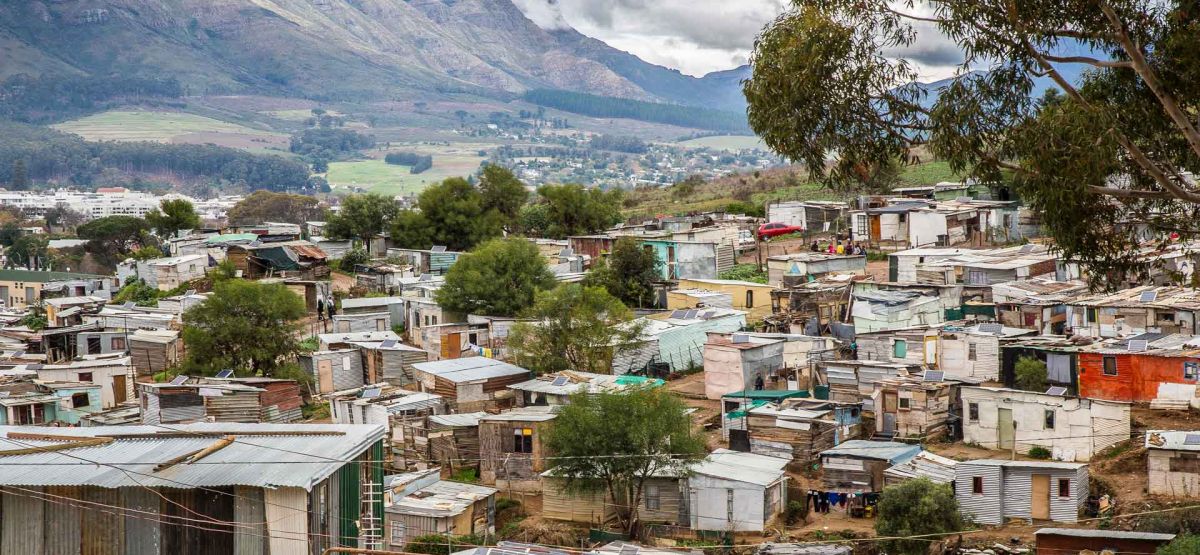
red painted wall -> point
(1137, 376)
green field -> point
(726, 142)
(377, 176)
(174, 127)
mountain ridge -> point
(336, 49)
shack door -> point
(451, 345)
(875, 233)
(890, 405)
(893, 269)
(118, 388)
(1005, 429)
(1040, 496)
(325, 375)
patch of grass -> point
(726, 142)
(377, 176)
(929, 173)
(139, 125)
(467, 475)
(745, 272)
(315, 411)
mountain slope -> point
(332, 49)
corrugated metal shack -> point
(246, 400)
(421, 504)
(454, 439)
(796, 435)
(390, 362)
(993, 491)
(926, 464)
(510, 448)
(912, 407)
(334, 370)
(471, 384)
(155, 350)
(300, 259)
(1173, 463)
(858, 465)
(257, 506)
(663, 501)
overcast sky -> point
(697, 36)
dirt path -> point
(342, 282)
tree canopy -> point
(503, 193)
(1030, 374)
(245, 326)
(172, 216)
(113, 236)
(913, 508)
(500, 278)
(452, 213)
(361, 217)
(269, 206)
(572, 327)
(577, 210)
(1107, 164)
(628, 272)
(631, 436)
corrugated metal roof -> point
(1105, 534)
(364, 302)
(804, 549)
(927, 465)
(441, 499)
(526, 414)
(309, 458)
(458, 420)
(891, 451)
(470, 369)
(737, 466)
(1024, 464)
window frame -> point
(972, 412)
(1049, 419)
(1064, 487)
(972, 352)
(77, 397)
(117, 343)
(1104, 365)
(977, 485)
(522, 441)
(652, 498)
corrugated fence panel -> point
(102, 530)
(982, 509)
(286, 510)
(142, 535)
(1018, 486)
(249, 509)
(62, 521)
(22, 524)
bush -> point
(1039, 452)
(353, 257)
(745, 272)
(1184, 544)
(914, 508)
(438, 544)
(1031, 374)
(796, 511)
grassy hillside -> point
(759, 188)
(173, 127)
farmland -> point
(376, 176)
(172, 127)
(726, 142)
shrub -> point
(1031, 374)
(1039, 452)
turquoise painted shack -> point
(684, 259)
(36, 403)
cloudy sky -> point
(697, 36)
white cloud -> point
(701, 36)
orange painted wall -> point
(1137, 376)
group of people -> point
(839, 247)
(823, 501)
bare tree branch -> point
(1086, 60)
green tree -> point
(628, 273)
(247, 326)
(1183, 544)
(500, 278)
(113, 236)
(354, 256)
(577, 210)
(172, 216)
(504, 193)
(262, 206)
(631, 435)
(913, 508)
(148, 252)
(61, 216)
(1030, 374)
(1107, 163)
(361, 217)
(20, 176)
(572, 327)
(452, 214)
(28, 251)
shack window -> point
(1091, 315)
(1064, 487)
(398, 532)
(749, 299)
(1049, 420)
(85, 377)
(1190, 370)
(900, 348)
(905, 403)
(79, 400)
(1110, 366)
(973, 412)
(970, 351)
(523, 440)
(977, 485)
(118, 343)
(653, 501)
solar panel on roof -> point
(1148, 296)
(190, 292)
(934, 376)
(991, 327)
(18, 354)
(1026, 249)
(629, 549)
(390, 343)
(1057, 390)
(1191, 439)
(371, 393)
(179, 380)
(1137, 345)
(438, 248)
(560, 381)
(225, 373)
(708, 314)
(128, 305)
(691, 314)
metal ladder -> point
(371, 532)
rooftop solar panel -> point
(1056, 390)
(1148, 296)
(1137, 345)
(370, 393)
(934, 376)
(225, 374)
(1191, 439)
(390, 343)
(179, 380)
(560, 381)
(991, 327)
(438, 248)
